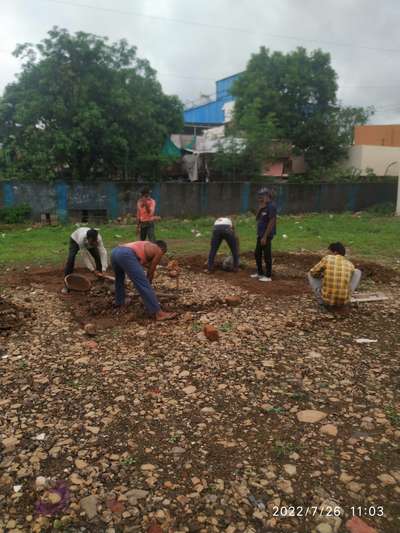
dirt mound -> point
(11, 316)
(289, 273)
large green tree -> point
(82, 107)
(298, 90)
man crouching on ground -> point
(334, 278)
(130, 259)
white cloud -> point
(189, 57)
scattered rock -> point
(10, 443)
(138, 494)
(211, 332)
(90, 329)
(291, 470)
(356, 525)
(233, 301)
(190, 389)
(310, 416)
(89, 506)
(329, 429)
(324, 528)
(387, 479)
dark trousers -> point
(147, 231)
(73, 250)
(265, 251)
(124, 261)
(217, 237)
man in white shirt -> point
(90, 243)
(224, 231)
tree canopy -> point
(297, 91)
(82, 107)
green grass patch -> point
(368, 235)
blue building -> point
(212, 113)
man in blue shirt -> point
(266, 229)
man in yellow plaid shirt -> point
(334, 278)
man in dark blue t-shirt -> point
(266, 229)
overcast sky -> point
(193, 43)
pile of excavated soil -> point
(11, 316)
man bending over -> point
(89, 242)
(131, 259)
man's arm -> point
(103, 255)
(88, 260)
(268, 231)
(153, 265)
(137, 219)
(318, 269)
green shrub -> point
(15, 215)
(386, 208)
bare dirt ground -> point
(149, 426)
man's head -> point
(264, 196)
(162, 245)
(145, 192)
(337, 248)
(92, 236)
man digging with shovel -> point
(130, 259)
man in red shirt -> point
(145, 216)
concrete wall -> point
(378, 158)
(69, 200)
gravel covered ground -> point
(152, 427)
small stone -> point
(285, 486)
(93, 429)
(178, 450)
(91, 345)
(387, 479)
(356, 525)
(310, 416)
(40, 482)
(233, 301)
(190, 389)
(147, 467)
(90, 329)
(329, 429)
(211, 333)
(208, 410)
(75, 479)
(345, 477)
(353, 486)
(184, 374)
(80, 465)
(89, 506)
(10, 443)
(291, 470)
(138, 494)
(268, 363)
(324, 528)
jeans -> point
(147, 230)
(316, 284)
(73, 250)
(217, 237)
(124, 261)
(267, 252)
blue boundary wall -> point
(118, 198)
